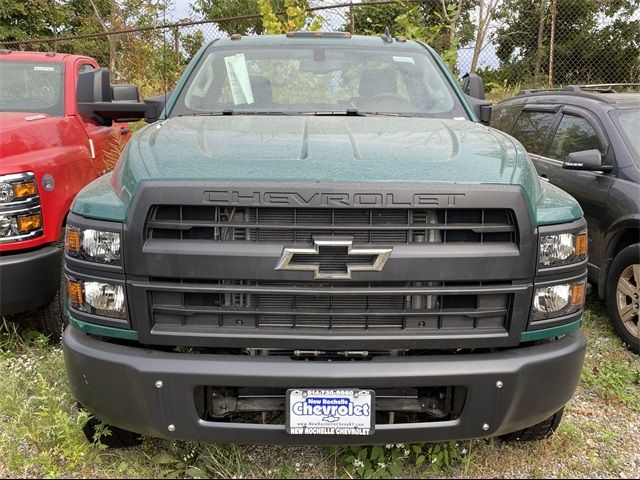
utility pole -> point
(552, 42)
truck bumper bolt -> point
(171, 428)
(159, 384)
(499, 384)
(485, 426)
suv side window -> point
(532, 130)
(574, 134)
(503, 118)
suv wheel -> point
(539, 431)
(118, 438)
(623, 295)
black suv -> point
(586, 140)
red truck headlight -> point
(20, 211)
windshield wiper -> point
(358, 113)
(233, 112)
(349, 112)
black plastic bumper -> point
(118, 385)
(28, 280)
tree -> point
(442, 24)
(233, 8)
(24, 20)
(487, 10)
(296, 18)
(594, 41)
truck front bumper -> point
(28, 280)
(119, 385)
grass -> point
(41, 431)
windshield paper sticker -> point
(239, 79)
(404, 59)
(44, 69)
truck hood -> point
(335, 148)
(321, 149)
(25, 132)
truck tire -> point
(51, 318)
(623, 295)
(119, 437)
(539, 431)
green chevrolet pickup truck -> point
(318, 242)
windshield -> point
(318, 79)
(629, 126)
(32, 87)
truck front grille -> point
(299, 225)
(434, 307)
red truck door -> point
(105, 143)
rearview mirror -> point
(589, 160)
(101, 102)
(473, 85)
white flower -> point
(463, 451)
(382, 465)
(434, 460)
(406, 453)
(358, 463)
(399, 445)
(389, 446)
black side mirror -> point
(155, 107)
(589, 160)
(473, 85)
(124, 92)
(99, 101)
(482, 109)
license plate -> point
(330, 412)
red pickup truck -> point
(50, 148)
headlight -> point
(97, 297)
(20, 212)
(562, 249)
(558, 300)
(93, 245)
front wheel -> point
(623, 295)
(51, 318)
(539, 431)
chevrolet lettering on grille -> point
(333, 258)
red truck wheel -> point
(51, 318)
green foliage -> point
(587, 49)
(413, 22)
(296, 18)
(393, 461)
(615, 381)
(203, 461)
(234, 8)
(412, 25)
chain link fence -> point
(511, 43)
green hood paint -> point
(323, 149)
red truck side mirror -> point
(101, 102)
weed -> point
(392, 460)
(204, 461)
(615, 381)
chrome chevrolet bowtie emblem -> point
(333, 258)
